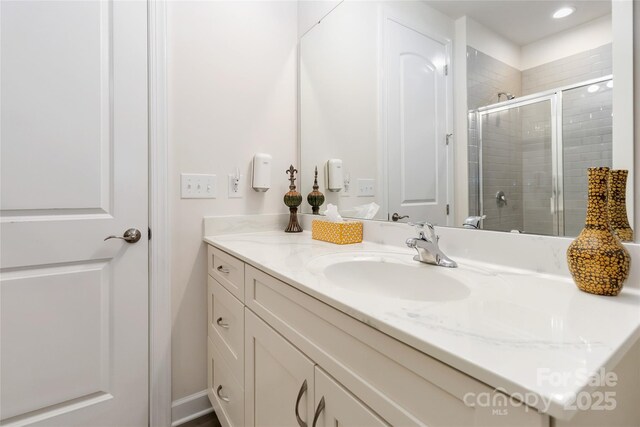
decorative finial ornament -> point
(291, 171)
(315, 198)
(293, 199)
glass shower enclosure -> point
(529, 157)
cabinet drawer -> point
(225, 393)
(401, 384)
(227, 270)
(226, 326)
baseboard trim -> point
(189, 408)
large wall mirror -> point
(463, 113)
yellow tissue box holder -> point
(340, 233)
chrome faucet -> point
(427, 246)
(473, 221)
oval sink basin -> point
(391, 276)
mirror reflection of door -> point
(416, 124)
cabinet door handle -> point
(319, 410)
(303, 389)
(221, 323)
(224, 398)
(222, 269)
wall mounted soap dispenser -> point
(334, 179)
(261, 174)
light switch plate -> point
(233, 191)
(198, 186)
(366, 187)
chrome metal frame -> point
(558, 168)
(554, 96)
(544, 93)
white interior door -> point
(74, 328)
(416, 124)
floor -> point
(209, 420)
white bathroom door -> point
(416, 124)
(73, 307)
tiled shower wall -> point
(525, 181)
(576, 68)
(486, 77)
(587, 141)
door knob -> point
(396, 217)
(132, 235)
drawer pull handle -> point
(303, 389)
(319, 410)
(223, 398)
(221, 323)
(222, 269)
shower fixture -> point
(506, 95)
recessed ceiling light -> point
(563, 12)
(593, 88)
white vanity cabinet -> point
(299, 352)
(288, 389)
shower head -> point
(506, 95)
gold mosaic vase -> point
(597, 260)
(618, 205)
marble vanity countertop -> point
(533, 336)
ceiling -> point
(523, 21)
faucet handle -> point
(430, 234)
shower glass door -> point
(530, 173)
(518, 165)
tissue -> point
(367, 211)
(332, 214)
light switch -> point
(198, 186)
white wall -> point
(566, 43)
(557, 46)
(636, 102)
(232, 92)
(312, 11)
(623, 90)
(460, 109)
(339, 101)
(492, 44)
